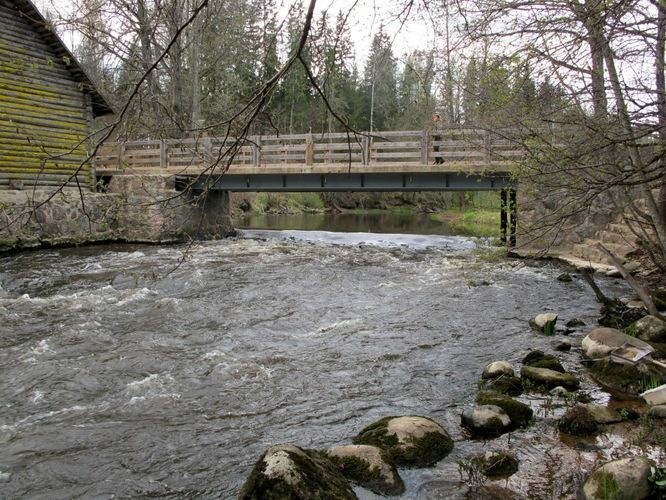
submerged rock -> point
(540, 360)
(497, 463)
(601, 341)
(410, 441)
(565, 278)
(486, 420)
(369, 467)
(548, 379)
(287, 471)
(649, 329)
(578, 421)
(519, 413)
(544, 323)
(504, 384)
(497, 369)
(629, 379)
(562, 345)
(602, 414)
(574, 323)
(626, 478)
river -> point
(149, 371)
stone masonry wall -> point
(134, 209)
(546, 223)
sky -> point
(366, 18)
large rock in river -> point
(519, 413)
(486, 420)
(624, 378)
(497, 369)
(544, 323)
(650, 329)
(601, 341)
(368, 466)
(548, 379)
(287, 471)
(410, 441)
(623, 479)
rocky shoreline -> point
(506, 404)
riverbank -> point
(431, 213)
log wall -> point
(44, 113)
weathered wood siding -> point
(44, 115)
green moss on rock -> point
(519, 413)
(504, 384)
(416, 448)
(369, 467)
(288, 472)
(628, 379)
(578, 421)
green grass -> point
(287, 202)
(472, 222)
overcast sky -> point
(366, 18)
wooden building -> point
(47, 104)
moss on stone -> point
(578, 421)
(532, 357)
(504, 384)
(519, 413)
(318, 479)
(496, 464)
(359, 471)
(421, 451)
(549, 361)
(625, 378)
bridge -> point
(449, 159)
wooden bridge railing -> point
(462, 146)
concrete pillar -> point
(504, 206)
(210, 215)
(513, 210)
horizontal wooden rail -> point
(462, 146)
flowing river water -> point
(148, 371)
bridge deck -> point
(387, 161)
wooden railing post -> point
(256, 151)
(163, 153)
(366, 149)
(121, 154)
(309, 150)
(487, 145)
(425, 147)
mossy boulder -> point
(602, 414)
(649, 329)
(496, 464)
(519, 413)
(504, 384)
(628, 379)
(533, 356)
(486, 421)
(290, 472)
(540, 360)
(410, 441)
(497, 369)
(622, 479)
(578, 421)
(369, 467)
(547, 379)
(544, 323)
